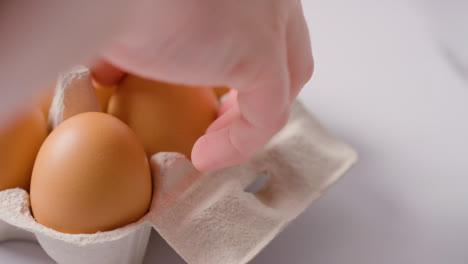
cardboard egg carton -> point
(226, 216)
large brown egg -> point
(165, 117)
(91, 174)
(20, 140)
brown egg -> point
(91, 174)
(220, 91)
(165, 117)
(20, 141)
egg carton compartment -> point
(226, 216)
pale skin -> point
(259, 48)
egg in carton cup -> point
(224, 216)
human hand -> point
(259, 48)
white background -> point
(388, 81)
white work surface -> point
(382, 84)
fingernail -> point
(224, 120)
(214, 151)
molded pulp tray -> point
(208, 218)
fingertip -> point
(105, 74)
(198, 156)
(214, 151)
(232, 143)
(224, 120)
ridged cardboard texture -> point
(226, 216)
